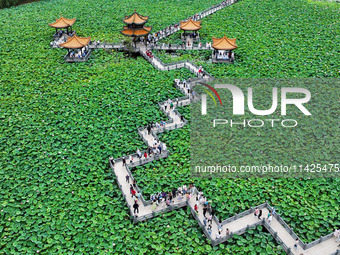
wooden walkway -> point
(237, 224)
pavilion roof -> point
(136, 18)
(190, 25)
(224, 43)
(76, 42)
(62, 22)
(136, 31)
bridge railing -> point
(238, 232)
(242, 214)
(287, 249)
(289, 230)
(161, 211)
(93, 45)
(177, 47)
(120, 185)
(317, 241)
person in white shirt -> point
(337, 235)
(218, 235)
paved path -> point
(237, 224)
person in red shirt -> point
(133, 192)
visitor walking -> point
(205, 221)
(260, 214)
(296, 244)
(209, 219)
(133, 192)
(145, 155)
(124, 161)
(273, 211)
(212, 212)
(135, 208)
(337, 235)
(227, 232)
(127, 177)
(218, 235)
(209, 229)
(131, 159)
(270, 218)
(112, 161)
(256, 213)
(174, 192)
(205, 210)
(139, 153)
(220, 225)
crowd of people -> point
(225, 55)
(187, 88)
(61, 33)
(80, 53)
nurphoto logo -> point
(238, 104)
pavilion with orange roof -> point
(62, 23)
(190, 28)
(223, 49)
(77, 43)
(135, 26)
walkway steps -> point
(237, 224)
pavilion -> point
(193, 27)
(223, 50)
(61, 24)
(135, 26)
(81, 45)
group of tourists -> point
(186, 86)
(169, 105)
(61, 33)
(258, 214)
(179, 194)
(225, 55)
(80, 53)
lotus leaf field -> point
(59, 124)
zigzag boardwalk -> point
(238, 224)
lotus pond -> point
(60, 122)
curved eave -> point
(136, 18)
(224, 43)
(76, 42)
(136, 32)
(190, 25)
(62, 23)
